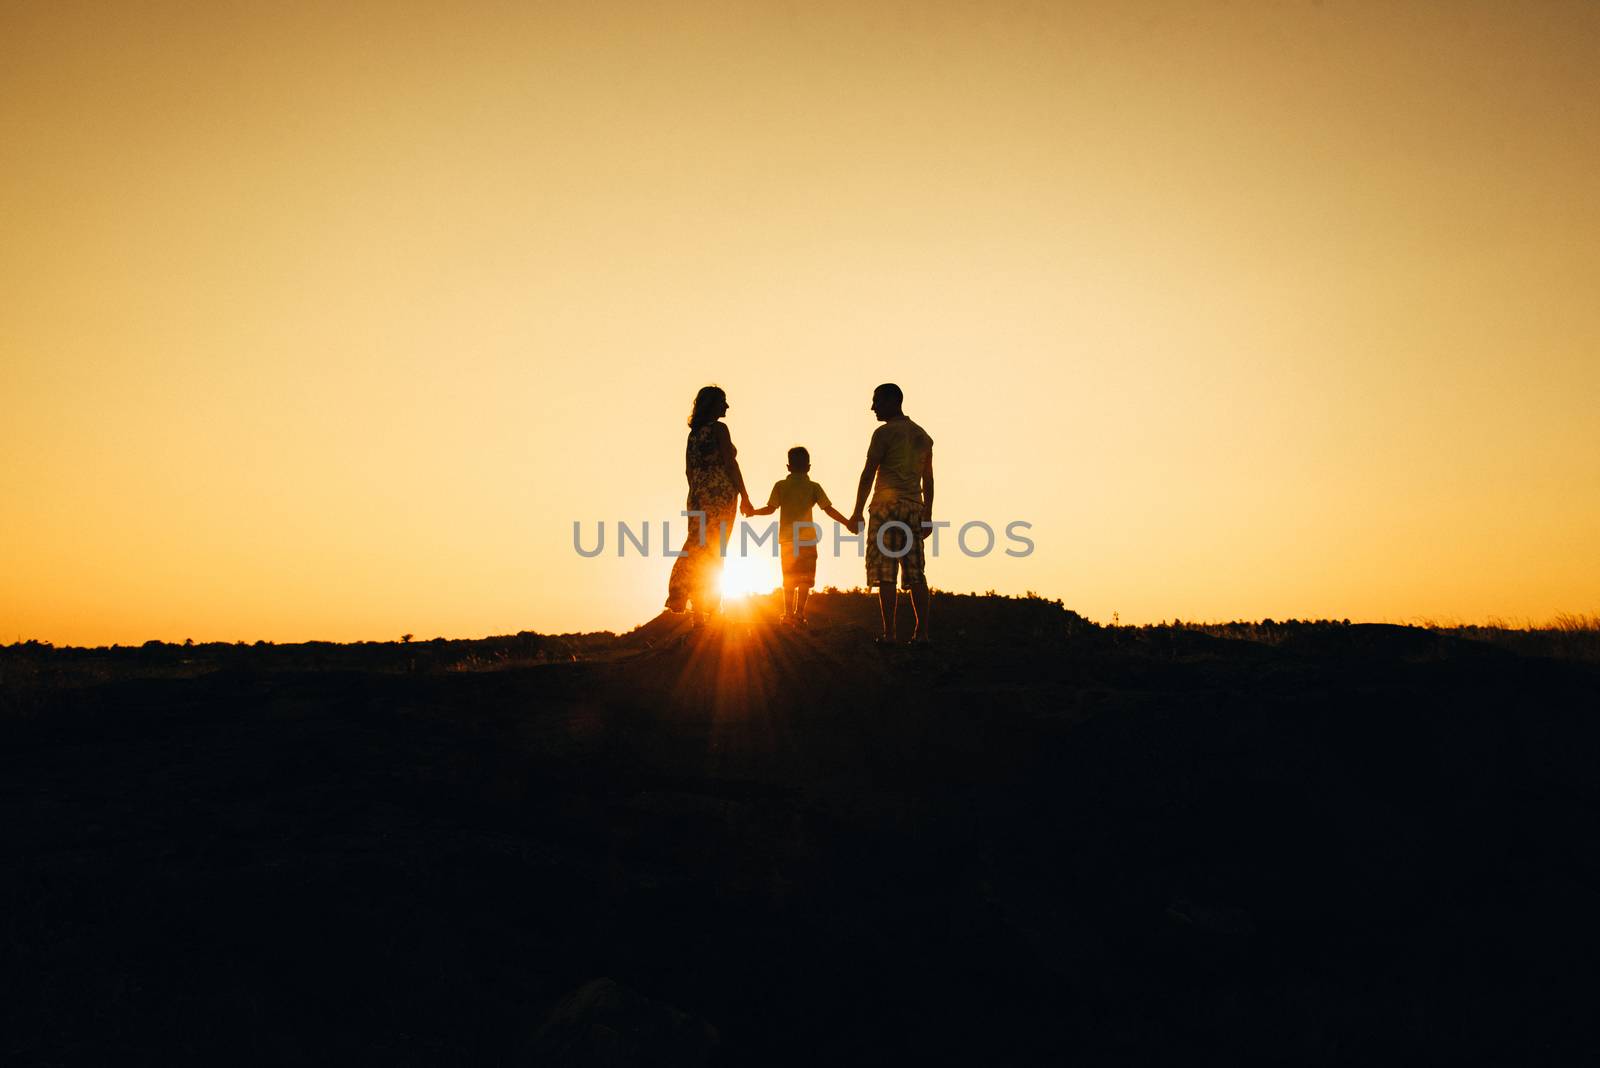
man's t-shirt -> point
(901, 450)
(795, 497)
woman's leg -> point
(684, 583)
(708, 574)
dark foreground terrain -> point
(1041, 842)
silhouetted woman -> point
(716, 488)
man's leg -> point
(886, 605)
(914, 577)
(920, 602)
(800, 595)
(882, 569)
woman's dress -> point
(695, 575)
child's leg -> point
(800, 595)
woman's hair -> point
(706, 404)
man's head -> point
(799, 460)
(886, 401)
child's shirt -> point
(795, 496)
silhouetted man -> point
(900, 456)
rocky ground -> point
(1040, 841)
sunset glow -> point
(328, 321)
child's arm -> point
(837, 516)
(772, 503)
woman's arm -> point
(730, 458)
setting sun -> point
(746, 575)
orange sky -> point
(326, 321)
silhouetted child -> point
(792, 499)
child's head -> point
(799, 460)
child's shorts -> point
(799, 565)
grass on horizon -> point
(32, 670)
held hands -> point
(854, 526)
(746, 508)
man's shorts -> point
(799, 565)
(898, 557)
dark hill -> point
(1042, 841)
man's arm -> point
(875, 450)
(927, 493)
(863, 488)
